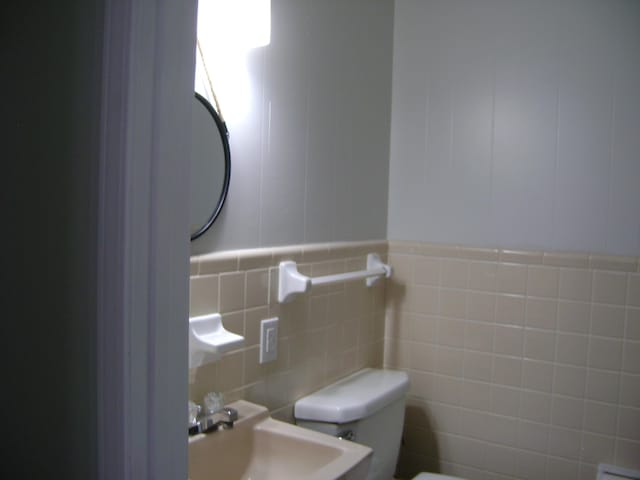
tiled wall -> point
(311, 153)
(323, 335)
(523, 364)
(515, 124)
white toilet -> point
(366, 407)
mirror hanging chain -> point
(206, 72)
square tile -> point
(573, 316)
(512, 278)
(541, 313)
(542, 281)
(510, 309)
(575, 284)
(609, 287)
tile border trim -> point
(594, 261)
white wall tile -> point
(310, 159)
(513, 124)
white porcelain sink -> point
(261, 448)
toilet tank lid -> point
(354, 397)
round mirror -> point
(210, 166)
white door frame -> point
(143, 258)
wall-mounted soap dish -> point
(208, 339)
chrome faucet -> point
(216, 415)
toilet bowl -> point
(366, 407)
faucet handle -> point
(194, 412)
(213, 402)
(232, 413)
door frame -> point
(143, 238)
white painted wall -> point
(517, 124)
(310, 155)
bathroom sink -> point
(259, 447)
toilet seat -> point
(434, 476)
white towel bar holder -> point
(291, 282)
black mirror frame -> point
(224, 136)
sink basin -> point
(261, 448)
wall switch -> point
(268, 340)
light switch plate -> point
(268, 340)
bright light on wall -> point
(236, 24)
(227, 31)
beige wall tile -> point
(533, 436)
(597, 449)
(605, 353)
(495, 351)
(427, 270)
(194, 267)
(403, 268)
(627, 453)
(505, 400)
(512, 278)
(507, 371)
(609, 287)
(607, 320)
(396, 354)
(632, 323)
(451, 332)
(474, 253)
(510, 309)
(531, 466)
(600, 418)
(509, 340)
(255, 259)
(570, 381)
(633, 292)
(542, 281)
(501, 459)
(203, 295)
(230, 372)
(564, 443)
(631, 357)
(423, 300)
(422, 356)
(630, 390)
(252, 320)
(231, 291)
(423, 328)
(481, 306)
(257, 288)
(449, 361)
(478, 336)
(454, 273)
(537, 376)
(567, 412)
(482, 276)
(539, 344)
(575, 284)
(453, 303)
(218, 263)
(566, 259)
(561, 468)
(573, 316)
(572, 349)
(541, 313)
(477, 366)
(536, 407)
(521, 256)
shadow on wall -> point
(393, 350)
(419, 451)
(419, 434)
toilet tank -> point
(366, 407)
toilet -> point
(366, 407)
